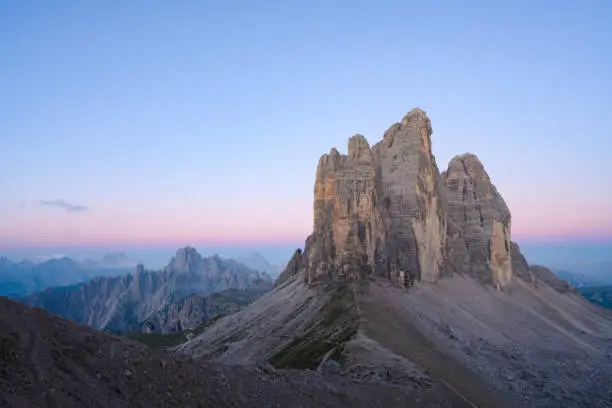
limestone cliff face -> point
(479, 222)
(410, 199)
(379, 209)
(343, 212)
(520, 267)
(387, 210)
(295, 264)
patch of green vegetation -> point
(337, 326)
(306, 352)
(302, 353)
(338, 355)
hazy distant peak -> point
(187, 251)
(61, 261)
(115, 257)
(26, 263)
(257, 262)
(4, 262)
(186, 259)
(256, 255)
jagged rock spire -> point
(386, 209)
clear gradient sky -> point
(201, 122)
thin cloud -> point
(71, 208)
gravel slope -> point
(46, 361)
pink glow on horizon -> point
(192, 225)
(150, 229)
(191, 236)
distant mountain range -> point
(257, 262)
(578, 280)
(26, 277)
(601, 295)
(168, 300)
(586, 274)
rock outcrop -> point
(296, 263)
(380, 209)
(195, 309)
(479, 223)
(544, 275)
(387, 210)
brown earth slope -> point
(46, 361)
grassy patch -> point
(339, 356)
(302, 353)
(306, 352)
(337, 325)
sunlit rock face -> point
(388, 210)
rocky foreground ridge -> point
(48, 362)
(410, 277)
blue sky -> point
(201, 122)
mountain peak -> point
(394, 214)
(358, 145)
(416, 114)
(115, 257)
(381, 214)
(186, 259)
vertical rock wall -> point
(387, 210)
(479, 236)
(409, 196)
(343, 212)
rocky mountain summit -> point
(257, 262)
(411, 277)
(125, 303)
(388, 211)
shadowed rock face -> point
(195, 310)
(545, 275)
(387, 210)
(479, 222)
